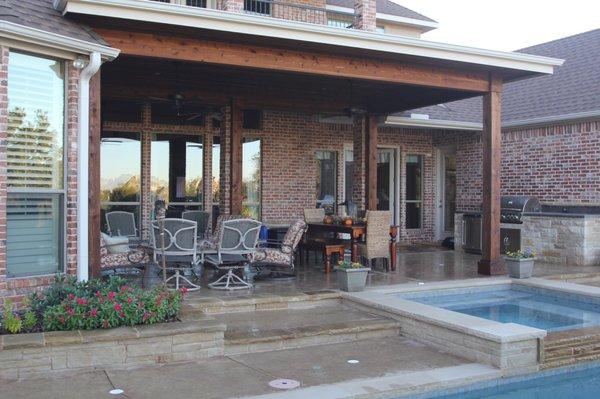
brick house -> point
(254, 106)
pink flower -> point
(184, 290)
(118, 307)
(81, 301)
(71, 297)
(70, 312)
(146, 316)
(129, 300)
(111, 295)
(93, 312)
(98, 294)
(124, 288)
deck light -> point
(79, 63)
(353, 361)
(284, 383)
(116, 391)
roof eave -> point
(218, 20)
(26, 34)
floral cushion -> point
(271, 255)
(131, 258)
(292, 236)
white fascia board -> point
(218, 20)
(427, 25)
(432, 123)
(578, 116)
(25, 34)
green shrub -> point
(30, 320)
(11, 321)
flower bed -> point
(95, 304)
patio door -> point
(446, 191)
(386, 180)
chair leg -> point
(230, 281)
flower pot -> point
(519, 268)
(352, 280)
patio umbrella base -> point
(229, 281)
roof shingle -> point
(573, 88)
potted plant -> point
(352, 276)
(519, 263)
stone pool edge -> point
(512, 348)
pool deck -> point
(281, 332)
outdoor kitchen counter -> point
(571, 239)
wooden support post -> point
(491, 262)
(371, 163)
(94, 178)
(236, 156)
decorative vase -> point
(519, 268)
(348, 222)
(352, 280)
(328, 220)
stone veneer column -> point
(365, 14)
(3, 137)
(225, 163)
(145, 173)
(359, 147)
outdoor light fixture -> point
(116, 391)
(353, 361)
(79, 63)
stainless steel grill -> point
(512, 207)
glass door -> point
(446, 192)
(386, 180)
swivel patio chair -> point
(281, 256)
(237, 244)
(180, 249)
(202, 220)
(377, 238)
(209, 244)
(121, 223)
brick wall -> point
(365, 13)
(559, 164)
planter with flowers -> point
(519, 263)
(352, 276)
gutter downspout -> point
(83, 165)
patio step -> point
(259, 302)
(240, 342)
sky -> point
(506, 25)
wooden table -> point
(356, 232)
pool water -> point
(575, 383)
(508, 304)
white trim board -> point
(28, 36)
(166, 13)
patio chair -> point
(377, 238)
(209, 244)
(180, 249)
(116, 257)
(122, 224)
(202, 220)
(237, 244)
(283, 254)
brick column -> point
(207, 144)
(3, 137)
(224, 162)
(365, 14)
(71, 189)
(359, 147)
(232, 5)
(146, 203)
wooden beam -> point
(176, 47)
(94, 178)
(236, 157)
(491, 262)
(371, 162)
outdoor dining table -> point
(356, 231)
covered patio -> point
(231, 126)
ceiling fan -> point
(178, 103)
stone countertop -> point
(562, 215)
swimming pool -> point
(539, 308)
(579, 382)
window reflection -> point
(251, 189)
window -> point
(348, 174)
(339, 22)
(35, 166)
(251, 186)
(380, 29)
(258, 6)
(216, 176)
(119, 180)
(414, 191)
(326, 179)
(176, 170)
